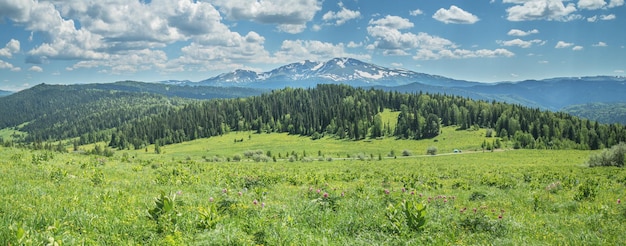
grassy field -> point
(190, 194)
(225, 146)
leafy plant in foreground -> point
(406, 214)
(164, 212)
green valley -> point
(335, 192)
(331, 165)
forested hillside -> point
(602, 112)
(352, 113)
(5, 93)
(54, 112)
(184, 91)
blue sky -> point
(76, 41)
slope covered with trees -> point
(55, 112)
(602, 112)
(353, 113)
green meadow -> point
(279, 189)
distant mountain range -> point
(5, 93)
(338, 70)
(552, 94)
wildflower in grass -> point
(342, 194)
(310, 188)
(412, 193)
(318, 191)
(499, 216)
(474, 210)
(179, 192)
(263, 205)
(387, 191)
(403, 190)
(325, 195)
(421, 195)
(619, 201)
(210, 199)
(255, 202)
(239, 193)
(225, 190)
(445, 200)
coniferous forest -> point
(352, 113)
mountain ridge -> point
(343, 70)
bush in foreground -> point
(609, 157)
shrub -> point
(615, 156)
(432, 150)
(406, 153)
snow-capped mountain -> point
(338, 70)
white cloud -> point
(416, 12)
(616, 3)
(552, 10)
(36, 69)
(455, 15)
(424, 54)
(12, 47)
(618, 71)
(119, 36)
(291, 28)
(388, 37)
(290, 16)
(562, 44)
(600, 44)
(521, 43)
(342, 16)
(591, 4)
(577, 48)
(543, 62)
(607, 17)
(601, 17)
(6, 65)
(520, 33)
(352, 44)
(298, 50)
(126, 62)
(392, 22)
(396, 64)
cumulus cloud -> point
(290, 16)
(455, 15)
(552, 10)
(12, 47)
(600, 44)
(577, 48)
(521, 43)
(392, 22)
(416, 12)
(562, 44)
(591, 4)
(616, 3)
(520, 33)
(424, 54)
(6, 65)
(121, 36)
(601, 17)
(36, 69)
(389, 36)
(342, 16)
(295, 50)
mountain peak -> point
(344, 70)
